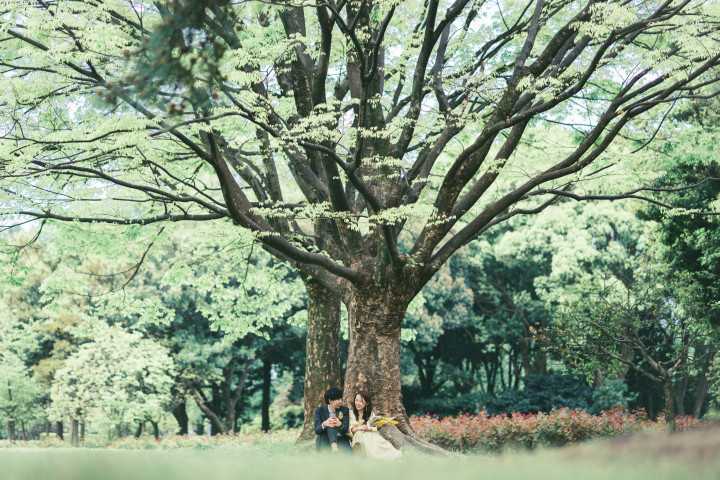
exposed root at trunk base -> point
(410, 441)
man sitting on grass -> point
(332, 421)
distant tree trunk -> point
(11, 430)
(669, 403)
(322, 367)
(22, 430)
(139, 429)
(651, 405)
(541, 362)
(524, 346)
(216, 423)
(156, 429)
(265, 410)
(47, 428)
(180, 414)
(599, 380)
(680, 392)
(702, 385)
(60, 427)
(426, 371)
(74, 437)
(82, 430)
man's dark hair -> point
(332, 394)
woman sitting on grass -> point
(365, 437)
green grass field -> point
(690, 455)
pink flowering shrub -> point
(475, 433)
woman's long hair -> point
(367, 411)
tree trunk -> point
(60, 427)
(216, 424)
(427, 380)
(11, 430)
(322, 366)
(702, 386)
(525, 356)
(22, 430)
(265, 410)
(74, 434)
(180, 414)
(651, 406)
(680, 391)
(540, 367)
(139, 429)
(599, 378)
(82, 430)
(374, 355)
(669, 404)
(374, 360)
(156, 429)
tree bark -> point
(540, 367)
(651, 405)
(60, 427)
(180, 414)
(376, 317)
(216, 423)
(156, 429)
(427, 379)
(22, 430)
(11, 430)
(322, 366)
(265, 410)
(139, 429)
(669, 404)
(74, 432)
(680, 391)
(702, 386)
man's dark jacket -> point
(326, 435)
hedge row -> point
(477, 433)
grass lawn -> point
(690, 455)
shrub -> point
(483, 433)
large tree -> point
(332, 129)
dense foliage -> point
(482, 433)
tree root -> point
(411, 441)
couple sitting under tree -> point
(340, 428)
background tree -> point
(628, 323)
(447, 306)
(303, 125)
(119, 376)
(23, 337)
(19, 390)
